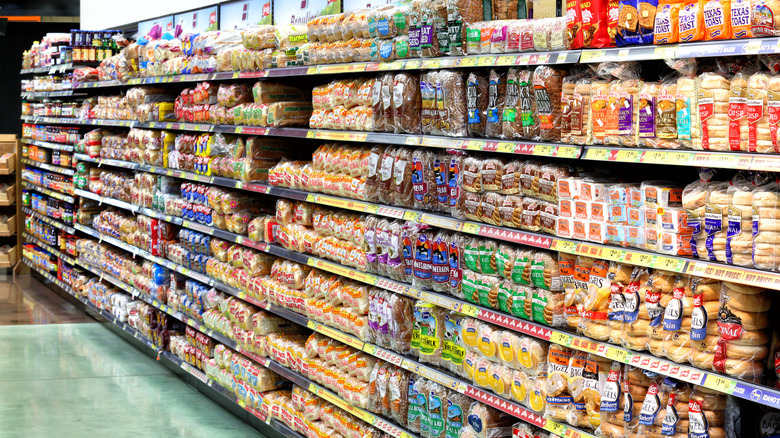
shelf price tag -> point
(592, 55)
(468, 309)
(668, 264)
(470, 228)
(486, 61)
(556, 428)
(560, 338)
(719, 383)
(617, 355)
(505, 60)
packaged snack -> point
(762, 18)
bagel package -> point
(743, 320)
(704, 328)
(713, 100)
(766, 226)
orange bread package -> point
(691, 22)
(667, 26)
(740, 19)
(717, 19)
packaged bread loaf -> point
(646, 122)
(567, 93)
(716, 221)
(456, 255)
(403, 178)
(398, 388)
(704, 328)
(511, 119)
(599, 108)
(424, 180)
(628, 112)
(666, 115)
(496, 100)
(612, 134)
(558, 395)
(743, 318)
(580, 124)
(766, 201)
(477, 102)
(713, 100)
(386, 189)
(428, 111)
(762, 18)
(737, 111)
(759, 138)
(706, 413)
(635, 314)
(547, 83)
(688, 130)
(406, 103)
(677, 321)
(451, 103)
(739, 237)
(431, 332)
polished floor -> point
(64, 375)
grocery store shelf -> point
(725, 384)
(48, 220)
(48, 94)
(62, 68)
(167, 355)
(48, 247)
(47, 144)
(531, 148)
(50, 167)
(702, 49)
(714, 270)
(677, 157)
(53, 193)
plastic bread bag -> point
(429, 113)
(441, 261)
(450, 104)
(403, 177)
(471, 175)
(496, 99)
(574, 296)
(739, 237)
(457, 263)
(511, 210)
(612, 421)
(424, 183)
(395, 261)
(742, 321)
(666, 115)
(454, 181)
(453, 350)
(413, 417)
(620, 277)
(707, 412)
(488, 211)
(580, 120)
(487, 422)
(558, 396)
(401, 324)
(688, 131)
(386, 178)
(716, 221)
(431, 332)
(406, 103)
(657, 296)
(547, 86)
(375, 161)
(635, 315)
(576, 387)
(595, 315)
(759, 136)
(713, 94)
(599, 108)
(477, 86)
(677, 321)
(694, 198)
(765, 202)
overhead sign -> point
(241, 14)
(145, 26)
(199, 20)
(301, 11)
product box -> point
(8, 148)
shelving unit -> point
(756, 393)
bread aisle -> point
(463, 223)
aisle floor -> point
(79, 379)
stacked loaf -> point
(743, 319)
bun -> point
(743, 288)
(610, 430)
(701, 359)
(752, 320)
(746, 352)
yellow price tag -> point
(241, 403)
(597, 154)
(680, 157)
(667, 264)
(560, 338)
(470, 228)
(564, 246)
(369, 348)
(617, 355)
(665, 52)
(469, 310)
(310, 134)
(506, 60)
(627, 156)
(543, 150)
(561, 58)
(412, 215)
(505, 147)
(612, 254)
(469, 62)
(406, 435)
(431, 63)
(311, 198)
(592, 55)
(641, 259)
(411, 65)
(556, 428)
(658, 157)
(567, 152)
(311, 324)
(485, 61)
(372, 209)
(719, 383)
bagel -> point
(751, 337)
(708, 344)
(637, 377)
(637, 328)
(702, 360)
(746, 352)
(678, 354)
(634, 342)
(751, 320)
(610, 430)
(748, 302)
(709, 400)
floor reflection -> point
(27, 301)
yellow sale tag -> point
(567, 152)
(612, 254)
(412, 215)
(627, 156)
(657, 157)
(543, 150)
(561, 58)
(556, 428)
(485, 61)
(506, 60)
(311, 198)
(310, 134)
(468, 309)
(470, 61)
(597, 154)
(668, 264)
(369, 348)
(431, 63)
(665, 52)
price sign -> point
(543, 150)
(412, 215)
(617, 355)
(471, 228)
(486, 61)
(751, 48)
(523, 59)
(665, 52)
(505, 60)
(370, 349)
(719, 383)
(468, 61)
(561, 58)
(592, 55)
(656, 157)
(612, 254)
(468, 309)
(564, 246)
(627, 156)
(560, 338)
(431, 63)
(668, 264)
(556, 428)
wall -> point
(19, 37)
(98, 14)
